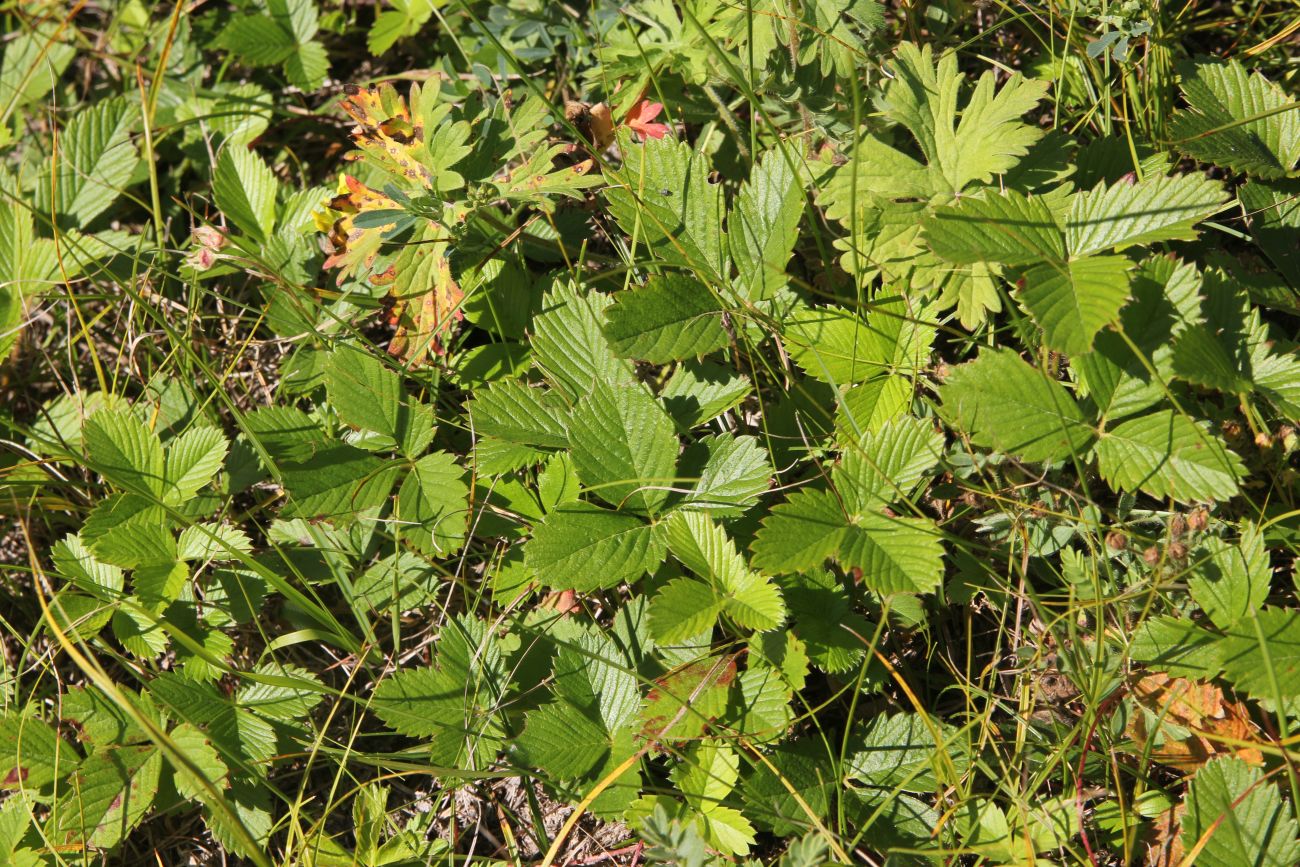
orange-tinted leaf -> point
(386, 133)
(1186, 720)
(427, 306)
(354, 249)
(1164, 844)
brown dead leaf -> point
(1188, 719)
(1164, 843)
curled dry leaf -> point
(1189, 721)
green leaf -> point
(258, 39)
(988, 139)
(125, 452)
(107, 797)
(1010, 228)
(896, 555)
(563, 741)
(422, 702)
(1240, 816)
(198, 750)
(208, 541)
(591, 672)
(584, 547)
(681, 703)
(367, 395)
(192, 459)
(570, 346)
(885, 466)
(899, 752)
(1144, 212)
(308, 65)
(624, 446)
(700, 391)
(703, 547)
(1231, 581)
(160, 584)
(95, 162)
(764, 224)
(1261, 654)
(432, 508)
(682, 609)
(244, 188)
(32, 755)
(662, 196)
(281, 692)
(735, 473)
(1274, 209)
(1166, 454)
(1237, 120)
(1072, 301)
(338, 482)
(1005, 404)
(520, 413)
(670, 318)
(800, 533)
(34, 59)
(837, 347)
(1181, 648)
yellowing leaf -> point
(426, 301)
(386, 134)
(354, 248)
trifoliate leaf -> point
(1005, 404)
(1166, 454)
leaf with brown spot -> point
(681, 703)
(1187, 719)
(353, 248)
(386, 133)
(426, 301)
